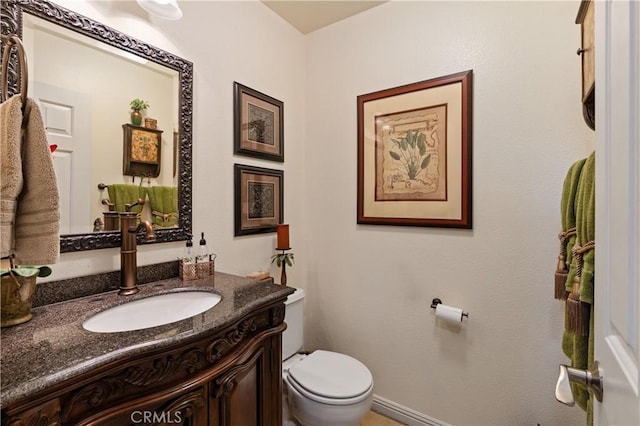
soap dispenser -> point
(202, 251)
(187, 263)
(188, 252)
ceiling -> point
(308, 16)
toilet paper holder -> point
(435, 302)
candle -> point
(283, 237)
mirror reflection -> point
(85, 88)
(86, 76)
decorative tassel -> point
(560, 288)
(584, 319)
(578, 316)
(574, 310)
(578, 312)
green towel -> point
(164, 205)
(575, 348)
(568, 215)
(585, 224)
(569, 189)
(584, 207)
(121, 194)
(578, 348)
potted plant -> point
(18, 286)
(137, 106)
(282, 260)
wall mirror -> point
(97, 71)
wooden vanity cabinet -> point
(188, 408)
(232, 377)
(249, 393)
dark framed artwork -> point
(414, 154)
(258, 199)
(258, 124)
(142, 151)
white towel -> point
(29, 199)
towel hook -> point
(9, 43)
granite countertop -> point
(53, 347)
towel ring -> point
(9, 42)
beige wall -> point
(369, 287)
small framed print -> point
(142, 151)
(258, 194)
(258, 124)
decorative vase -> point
(17, 295)
(136, 118)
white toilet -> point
(323, 388)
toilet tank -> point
(292, 338)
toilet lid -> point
(332, 375)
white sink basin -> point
(151, 311)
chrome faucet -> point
(128, 249)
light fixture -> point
(167, 9)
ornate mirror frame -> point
(11, 16)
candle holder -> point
(282, 260)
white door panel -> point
(66, 116)
(617, 320)
(62, 167)
(59, 118)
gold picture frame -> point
(414, 154)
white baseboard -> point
(403, 414)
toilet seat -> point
(331, 378)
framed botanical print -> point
(258, 124)
(258, 199)
(414, 154)
(142, 151)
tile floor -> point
(375, 419)
(371, 419)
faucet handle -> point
(139, 202)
